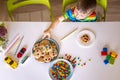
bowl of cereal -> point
(60, 69)
(85, 38)
(45, 50)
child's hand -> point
(47, 34)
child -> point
(83, 12)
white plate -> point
(91, 36)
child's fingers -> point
(47, 35)
(43, 36)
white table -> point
(106, 33)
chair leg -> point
(11, 17)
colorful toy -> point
(11, 62)
(104, 52)
(14, 44)
(110, 58)
(113, 54)
(106, 61)
(24, 59)
(105, 49)
(21, 52)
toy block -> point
(108, 57)
(113, 54)
(105, 49)
(112, 60)
(106, 61)
(103, 53)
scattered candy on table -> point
(71, 59)
(75, 60)
(81, 63)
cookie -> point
(35, 46)
(41, 59)
(42, 48)
(47, 58)
(53, 45)
(52, 55)
(85, 38)
(44, 42)
(37, 53)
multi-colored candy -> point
(60, 70)
(70, 58)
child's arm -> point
(48, 31)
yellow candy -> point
(62, 67)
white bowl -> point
(57, 60)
